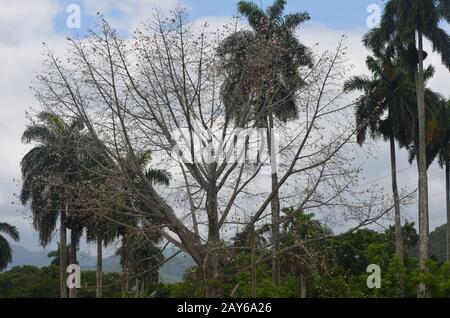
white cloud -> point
(23, 20)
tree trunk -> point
(424, 239)
(447, 190)
(73, 256)
(63, 254)
(398, 221)
(99, 273)
(212, 263)
(274, 205)
(303, 285)
(253, 270)
(125, 260)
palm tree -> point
(101, 230)
(387, 91)
(5, 248)
(439, 148)
(310, 257)
(444, 160)
(128, 224)
(401, 21)
(144, 256)
(51, 158)
(262, 79)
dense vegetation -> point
(342, 275)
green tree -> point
(439, 148)
(401, 21)
(262, 79)
(50, 160)
(391, 91)
(310, 255)
(5, 248)
(129, 224)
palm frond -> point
(356, 83)
(292, 21)
(252, 12)
(275, 11)
(10, 230)
(440, 41)
(158, 176)
(5, 253)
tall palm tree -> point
(128, 223)
(438, 147)
(143, 255)
(51, 158)
(402, 20)
(103, 232)
(389, 90)
(5, 248)
(262, 79)
(310, 257)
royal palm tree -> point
(390, 90)
(438, 147)
(50, 159)
(101, 230)
(308, 258)
(402, 22)
(5, 248)
(262, 79)
(128, 224)
(144, 257)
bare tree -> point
(160, 92)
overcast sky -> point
(25, 24)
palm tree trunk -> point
(125, 252)
(73, 257)
(99, 268)
(274, 205)
(253, 265)
(63, 254)
(447, 190)
(424, 239)
(303, 285)
(398, 222)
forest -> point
(237, 146)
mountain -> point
(171, 272)
(22, 256)
(438, 242)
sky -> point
(26, 24)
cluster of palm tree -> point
(262, 68)
(52, 172)
(416, 117)
(420, 124)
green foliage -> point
(33, 282)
